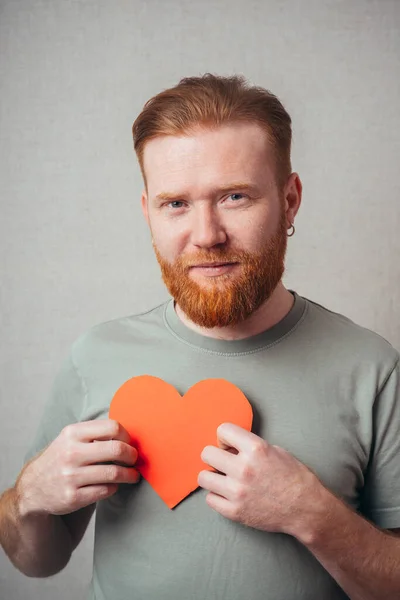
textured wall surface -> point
(74, 246)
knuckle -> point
(105, 491)
(115, 429)
(116, 449)
(235, 513)
(68, 431)
(67, 473)
(240, 493)
(70, 494)
(245, 472)
(70, 454)
(111, 473)
(258, 447)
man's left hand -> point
(258, 484)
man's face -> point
(199, 213)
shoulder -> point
(345, 336)
(119, 330)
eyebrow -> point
(239, 185)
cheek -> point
(169, 241)
(247, 233)
(263, 227)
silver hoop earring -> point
(293, 230)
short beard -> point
(227, 299)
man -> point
(306, 505)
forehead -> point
(205, 158)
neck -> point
(270, 312)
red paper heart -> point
(170, 431)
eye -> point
(175, 202)
(237, 197)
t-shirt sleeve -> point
(381, 492)
(63, 406)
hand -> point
(258, 484)
(67, 475)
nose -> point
(207, 229)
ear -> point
(292, 194)
(145, 207)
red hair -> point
(213, 100)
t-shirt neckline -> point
(251, 344)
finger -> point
(214, 482)
(220, 504)
(105, 474)
(89, 495)
(109, 451)
(220, 459)
(99, 430)
(225, 446)
(233, 436)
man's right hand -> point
(68, 475)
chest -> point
(323, 419)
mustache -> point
(213, 258)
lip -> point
(210, 265)
(214, 269)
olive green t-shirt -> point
(322, 387)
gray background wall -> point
(74, 247)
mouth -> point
(214, 269)
(211, 265)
